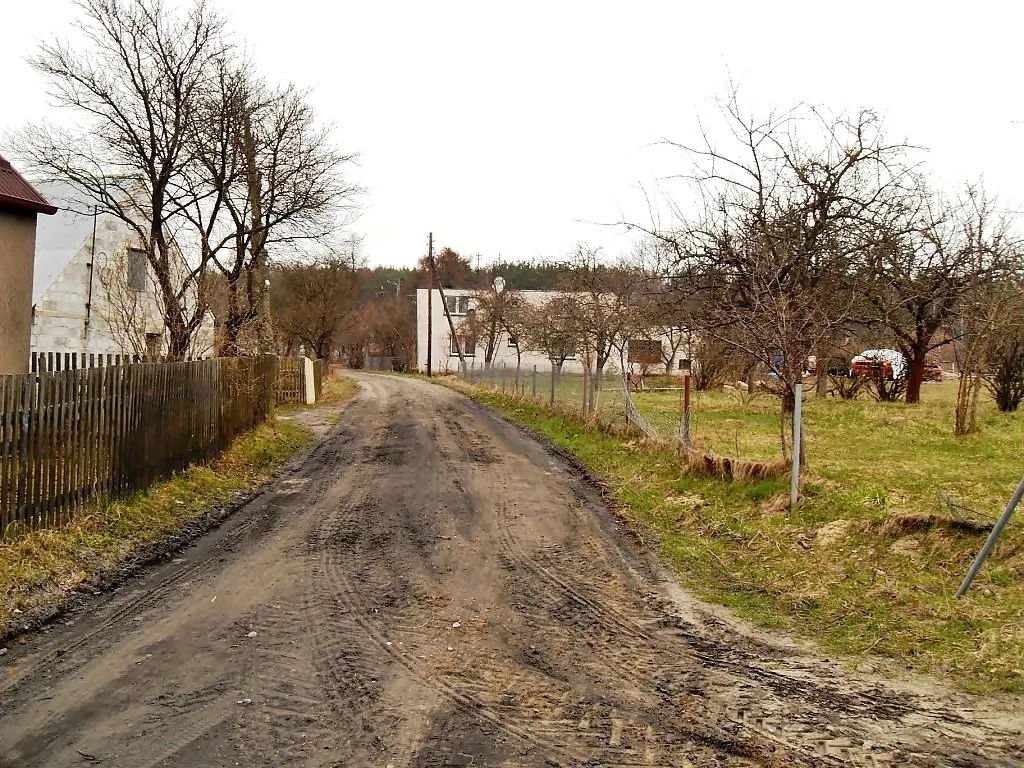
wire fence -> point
(653, 406)
(610, 400)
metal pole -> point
(686, 412)
(586, 381)
(794, 488)
(430, 301)
(535, 382)
(990, 542)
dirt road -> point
(433, 588)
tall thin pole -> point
(430, 299)
(990, 542)
(448, 315)
(794, 488)
(686, 411)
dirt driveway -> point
(433, 588)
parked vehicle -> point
(887, 363)
(932, 371)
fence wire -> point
(569, 392)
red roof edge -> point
(18, 194)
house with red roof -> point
(20, 204)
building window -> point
(458, 305)
(138, 271)
(644, 351)
(153, 344)
(468, 344)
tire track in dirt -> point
(602, 736)
(342, 562)
(818, 734)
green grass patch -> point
(869, 562)
(39, 567)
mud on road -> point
(431, 587)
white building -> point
(92, 289)
(461, 304)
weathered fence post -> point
(535, 382)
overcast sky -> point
(518, 128)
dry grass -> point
(727, 468)
(893, 509)
(337, 389)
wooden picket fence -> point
(72, 436)
(291, 380)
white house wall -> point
(445, 361)
(61, 320)
(60, 313)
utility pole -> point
(430, 302)
(447, 314)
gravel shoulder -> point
(432, 587)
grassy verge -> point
(38, 568)
(337, 390)
(866, 566)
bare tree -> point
(923, 269)
(551, 329)
(273, 178)
(516, 317)
(488, 321)
(388, 324)
(314, 300)
(990, 320)
(605, 300)
(124, 304)
(711, 363)
(786, 214)
(134, 91)
(1004, 373)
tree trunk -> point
(916, 375)
(233, 322)
(788, 399)
(820, 375)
